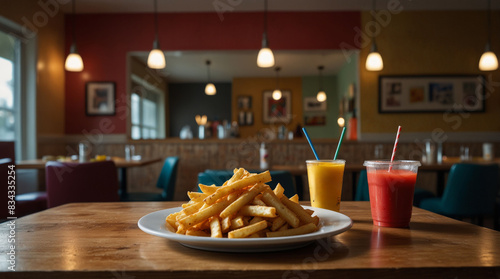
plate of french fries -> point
(244, 215)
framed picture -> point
(245, 118)
(244, 102)
(431, 93)
(277, 111)
(100, 98)
(312, 104)
(315, 120)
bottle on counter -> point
(264, 157)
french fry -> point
(316, 220)
(237, 222)
(277, 223)
(237, 185)
(204, 214)
(308, 228)
(208, 189)
(258, 201)
(215, 228)
(192, 208)
(295, 198)
(258, 210)
(225, 224)
(278, 191)
(237, 175)
(248, 230)
(255, 220)
(196, 196)
(196, 232)
(301, 213)
(242, 200)
(310, 211)
(270, 199)
(283, 228)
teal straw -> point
(310, 143)
(340, 142)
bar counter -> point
(102, 240)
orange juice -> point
(325, 183)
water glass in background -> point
(83, 152)
(430, 152)
(379, 151)
(488, 151)
(464, 153)
(129, 152)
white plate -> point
(331, 223)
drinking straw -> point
(310, 143)
(395, 146)
(340, 142)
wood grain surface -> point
(102, 240)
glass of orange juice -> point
(325, 183)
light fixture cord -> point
(373, 19)
(277, 78)
(208, 71)
(265, 17)
(320, 68)
(73, 33)
(489, 22)
(156, 21)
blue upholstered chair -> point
(166, 182)
(470, 192)
(218, 177)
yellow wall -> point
(430, 42)
(50, 65)
(255, 87)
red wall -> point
(103, 41)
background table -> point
(120, 163)
(89, 240)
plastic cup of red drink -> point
(391, 186)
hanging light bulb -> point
(156, 58)
(341, 121)
(210, 87)
(374, 60)
(488, 61)
(74, 62)
(321, 96)
(277, 92)
(265, 58)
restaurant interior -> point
(157, 96)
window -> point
(17, 89)
(147, 116)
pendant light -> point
(156, 58)
(374, 60)
(321, 96)
(210, 87)
(265, 58)
(74, 62)
(488, 61)
(277, 92)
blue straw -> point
(340, 142)
(310, 143)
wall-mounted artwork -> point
(431, 93)
(100, 98)
(312, 104)
(277, 111)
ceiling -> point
(146, 6)
(189, 66)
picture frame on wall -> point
(277, 111)
(100, 98)
(431, 93)
(244, 102)
(312, 104)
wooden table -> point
(121, 164)
(90, 240)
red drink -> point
(391, 192)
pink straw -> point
(395, 147)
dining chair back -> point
(470, 191)
(166, 182)
(81, 182)
(218, 177)
(167, 178)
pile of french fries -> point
(243, 207)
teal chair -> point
(166, 182)
(470, 192)
(363, 194)
(218, 177)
